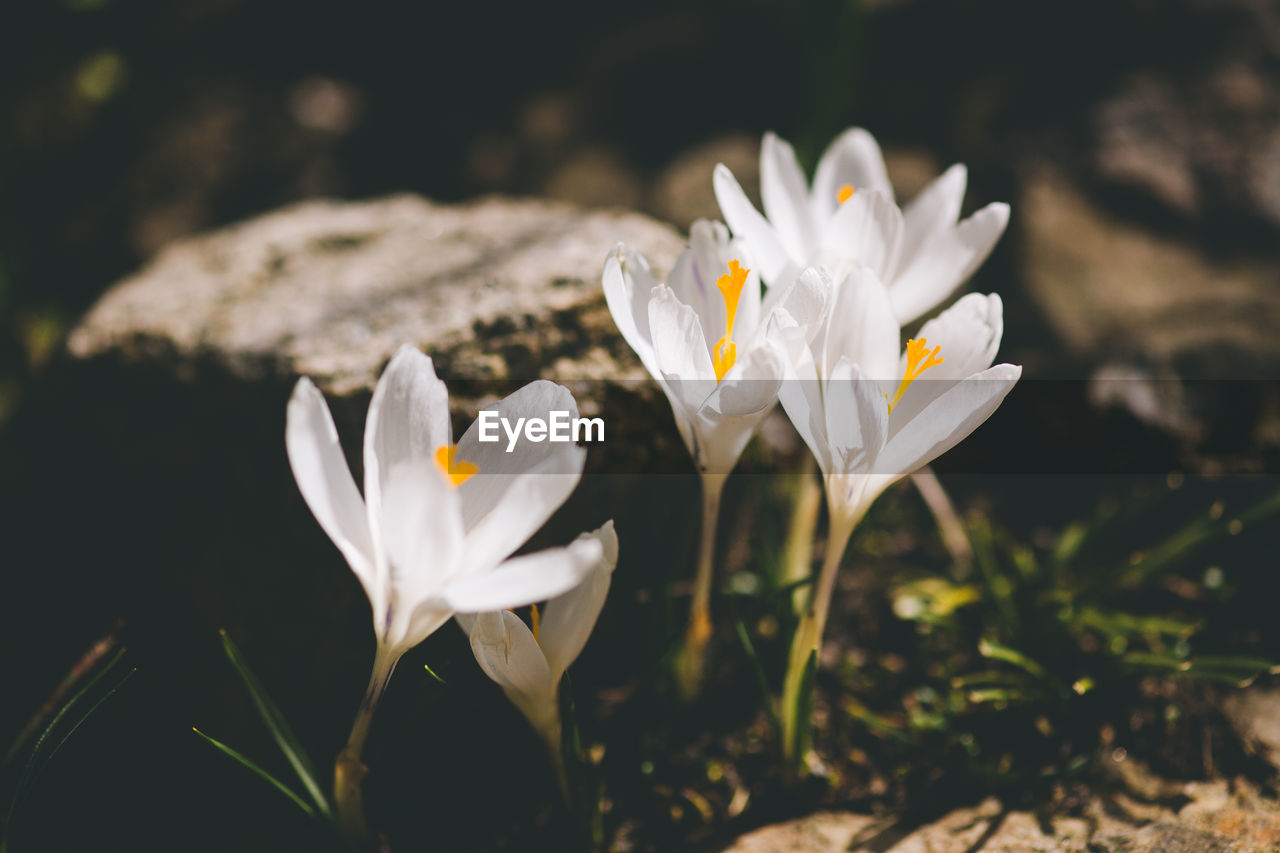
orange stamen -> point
(919, 359)
(459, 470)
(725, 352)
(844, 193)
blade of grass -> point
(87, 662)
(37, 750)
(262, 774)
(1189, 538)
(276, 724)
(1239, 671)
(96, 705)
(431, 672)
(989, 678)
(1005, 695)
(996, 651)
(876, 722)
(758, 669)
(999, 586)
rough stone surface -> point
(1203, 818)
(1255, 715)
(498, 288)
(1206, 145)
(1110, 288)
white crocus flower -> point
(717, 348)
(434, 532)
(528, 661)
(921, 253)
(872, 414)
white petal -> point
(802, 304)
(681, 349)
(751, 385)
(853, 158)
(729, 416)
(857, 414)
(801, 398)
(785, 194)
(694, 279)
(627, 284)
(862, 328)
(747, 224)
(935, 209)
(945, 262)
(947, 420)
(969, 333)
(508, 653)
(513, 494)
(866, 229)
(568, 619)
(408, 419)
(325, 480)
(526, 579)
(421, 525)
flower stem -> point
(349, 770)
(797, 554)
(553, 736)
(797, 689)
(691, 662)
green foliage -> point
(1066, 633)
(249, 765)
(281, 733)
(86, 680)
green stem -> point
(349, 770)
(807, 642)
(797, 556)
(691, 662)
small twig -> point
(944, 513)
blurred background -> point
(1137, 141)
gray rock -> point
(1115, 291)
(497, 289)
(1255, 715)
(1202, 143)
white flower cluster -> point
(843, 269)
(803, 304)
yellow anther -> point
(535, 623)
(844, 193)
(459, 470)
(919, 359)
(725, 353)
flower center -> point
(844, 193)
(919, 359)
(725, 353)
(458, 470)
